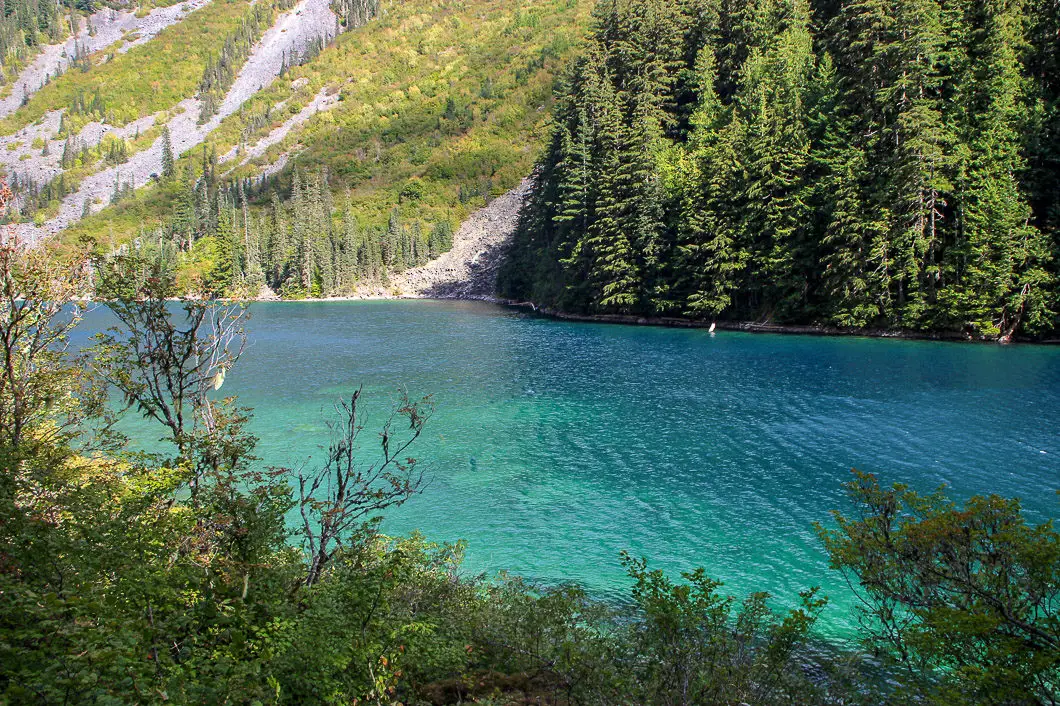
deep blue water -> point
(557, 445)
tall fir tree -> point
(168, 162)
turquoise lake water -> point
(557, 445)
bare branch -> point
(345, 494)
(165, 356)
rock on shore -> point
(469, 270)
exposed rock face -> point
(469, 269)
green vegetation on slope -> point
(220, 72)
(863, 163)
(438, 107)
(25, 25)
(150, 77)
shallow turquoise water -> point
(557, 445)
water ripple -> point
(556, 446)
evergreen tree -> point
(861, 162)
(391, 245)
(771, 100)
(168, 163)
(997, 266)
(224, 275)
(613, 267)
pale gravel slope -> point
(18, 154)
(292, 33)
(110, 26)
(469, 269)
(322, 101)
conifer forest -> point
(866, 163)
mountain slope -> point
(412, 122)
(95, 131)
(97, 32)
(293, 32)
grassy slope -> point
(395, 77)
(151, 77)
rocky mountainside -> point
(332, 162)
(293, 32)
(469, 269)
(324, 148)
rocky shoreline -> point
(670, 321)
(758, 327)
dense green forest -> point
(860, 163)
(295, 246)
